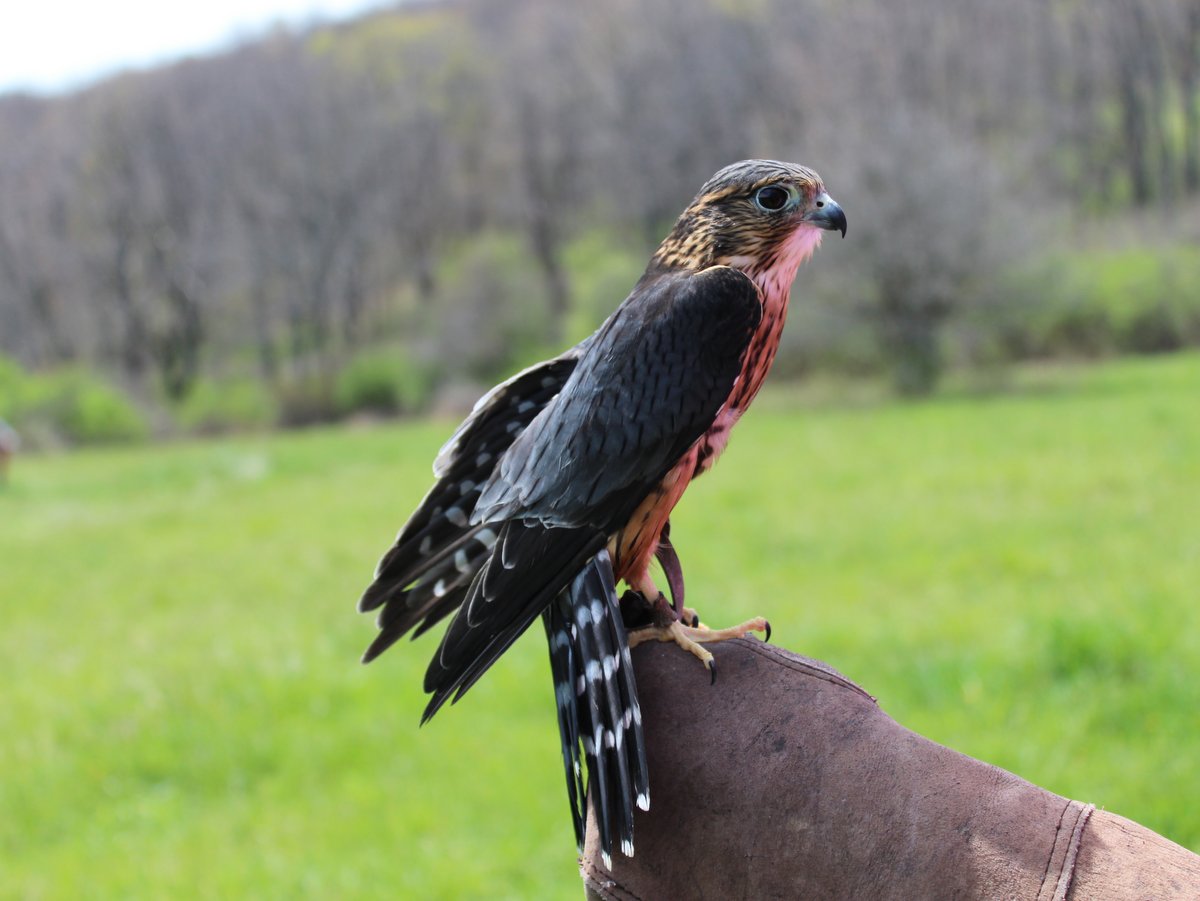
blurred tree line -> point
(350, 216)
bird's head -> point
(760, 216)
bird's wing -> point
(489, 427)
(648, 385)
(425, 575)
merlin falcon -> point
(559, 485)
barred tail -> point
(597, 704)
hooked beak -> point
(826, 214)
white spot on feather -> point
(456, 516)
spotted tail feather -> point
(598, 712)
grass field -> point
(183, 713)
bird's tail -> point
(597, 704)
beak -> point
(826, 214)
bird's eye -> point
(772, 198)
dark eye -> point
(772, 198)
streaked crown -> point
(742, 215)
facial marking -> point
(726, 225)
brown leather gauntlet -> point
(785, 780)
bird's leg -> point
(667, 627)
(668, 558)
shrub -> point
(384, 381)
(1073, 329)
(1099, 301)
(216, 407)
(306, 400)
(1155, 329)
(12, 383)
(95, 413)
(77, 407)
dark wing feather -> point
(489, 426)
(649, 383)
(424, 576)
(504, 600)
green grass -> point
(183, 712)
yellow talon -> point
(691, 638)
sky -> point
(53, 46)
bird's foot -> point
(693, 638)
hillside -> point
(464, 185)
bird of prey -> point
(560, 483)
